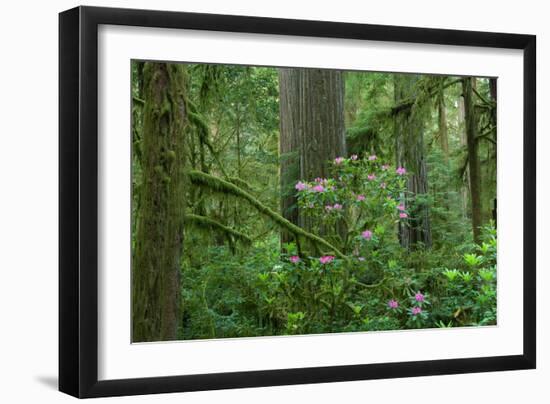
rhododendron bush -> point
(375, 284)
(358, 205)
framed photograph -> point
(251, 201)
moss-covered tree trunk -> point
(410, 153)
(473, 158)
(493, 91)
(312, 130)
(464, 179)
(159, 232)
(289, 146)
(442, 124)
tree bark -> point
(312, 130)
(465, 184)
(159, 232)
(409, 146)
(289, 146)
(442, 119)
(493, 91)
(473, 159)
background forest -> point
(271, 201)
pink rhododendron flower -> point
(354, 157)
(401, 171)
(337, 206)
(416, 310)
(338, 160)
(419, 297)
(385, 167)
(367, 234)
(360, 197)
(325, 259)
(371, 177)
(320, 180)
(300, 186)
(318, 188)
(294, 259)
(401, 207)
(383, 185)
(328, 208)
(393, 304)
(372, 158)
(403, 215)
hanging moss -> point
(203, 132)
(196, 120)
(426, 90)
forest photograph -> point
(271, 201)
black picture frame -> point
(78, 201)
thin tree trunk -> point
(473, 159)
(442, 119)
(238, 135)
(289, 146)
(409, 146)
(159, 233)
(493, 91)
(465, 187)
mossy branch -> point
(489, 103)
(213, 224)
(220, 185)
(138, 100)
(486, 133)
(196, 119)
(371, 286)
(204, 131)
(408, 103)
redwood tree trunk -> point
(312, 130)
(473, 160)
(159, 232)
(409, 146)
